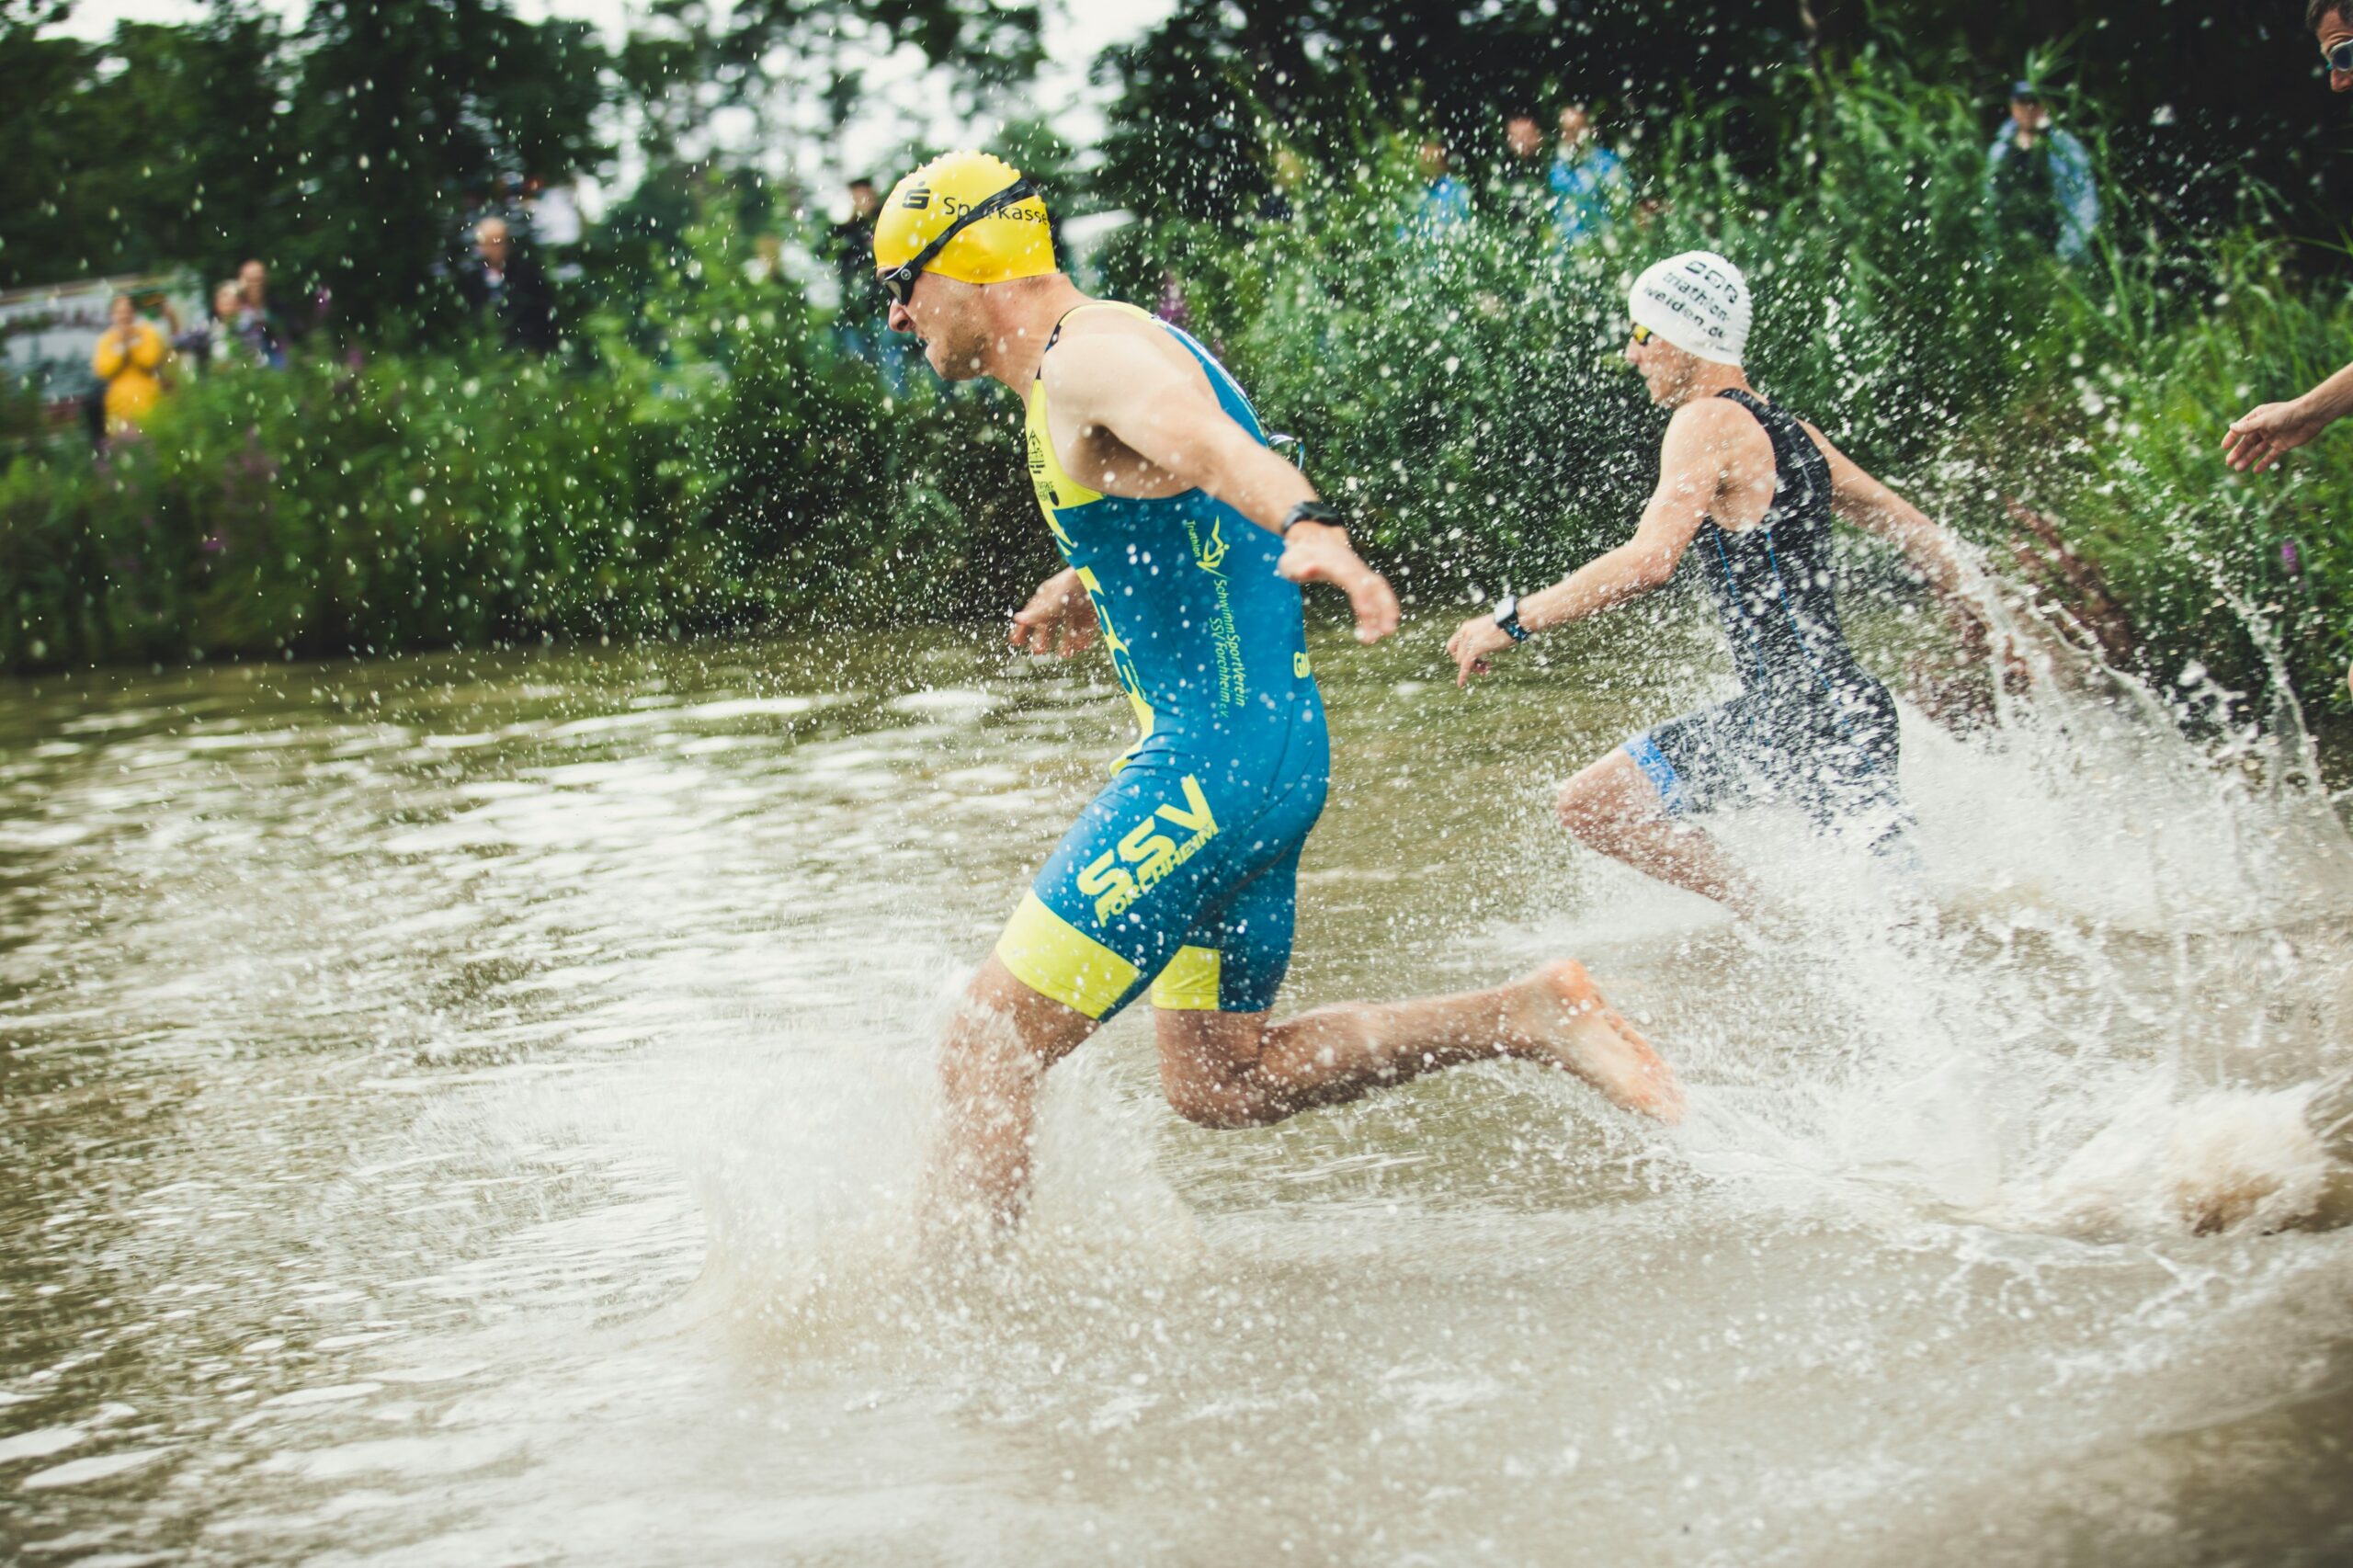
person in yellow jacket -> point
(127, 357)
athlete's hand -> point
(1472, 643)
(1317, 552)
(2265, 434)
(1058, 619)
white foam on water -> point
(801, 1140)
(2102, 1007)
(2218, 1161)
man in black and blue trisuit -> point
(1187, 540)
(1749, 490)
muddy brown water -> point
(464, 1109)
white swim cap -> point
(1697, 301)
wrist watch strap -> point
(1311, 512)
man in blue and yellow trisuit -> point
(1187, 540)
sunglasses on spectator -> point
(900, 281)
(2339, 55)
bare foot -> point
(1564, 1020)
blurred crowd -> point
(1563, 189)
(1564, 192)
(500, 280)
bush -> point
(743, 475)
(713, 462)
(1466, 394)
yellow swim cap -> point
(1014, 242)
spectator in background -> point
(260, 324)
(194, 345)
(129, 360)
(506, 284)
(1445, 206)
(862, 322)
(1588, 180)
(552, 218)
(221, 338)
(1287, 185)
(2038, 178)
(1522, 189)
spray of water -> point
(2106, 1004)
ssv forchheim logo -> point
(917, 198)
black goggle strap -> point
(899, 281)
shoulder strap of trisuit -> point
(1751, 401)
(1056, 335)
(1797, 460)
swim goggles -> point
(2339, 54)
(900, 281)
(1643, 334)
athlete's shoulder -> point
(1109, 320)
(1717, 437)
(1710, 419)
(1106, 349)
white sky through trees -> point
(900, 103)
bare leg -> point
(1613, 807)
(1236, 1070)
(999, 1044)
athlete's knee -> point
(1226, 1109)
(1220, 1095)
(1589, 813)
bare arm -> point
(1174, 423)
(2262, 436)
(1704, 450)
(1863, 500)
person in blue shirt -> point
(1588, 180)
(2040, 178)
(1445, 205)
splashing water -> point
(544, 1050)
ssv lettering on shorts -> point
(1150, 854)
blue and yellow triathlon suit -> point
(1182, 873)
(1810, 726)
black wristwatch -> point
(1507, 616)
(1311, 512)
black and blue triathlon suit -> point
(1810, 726)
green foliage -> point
(2127, 451)
(2214, 94)
(715, 463)
(410, 107)
(343, 155)
(740, 474)
(1467, 397)
(164, 146)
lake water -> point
(467, 1109)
